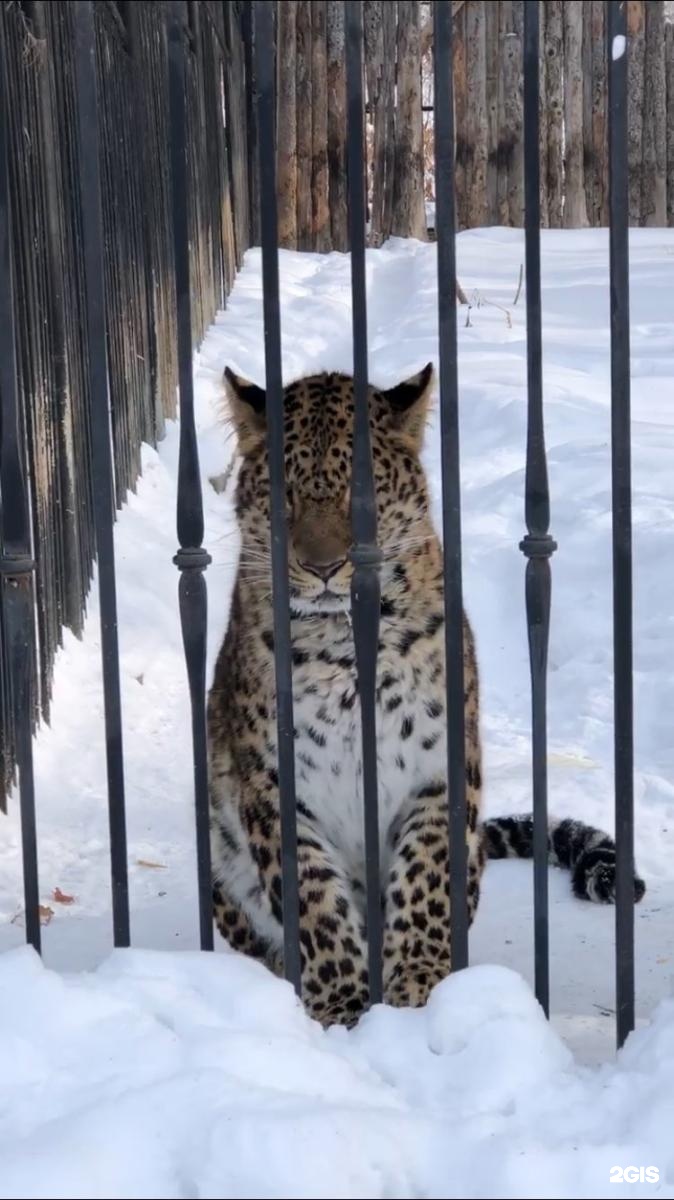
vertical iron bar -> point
(265, 78)
(101, 448)
(16, 557)
(622, 516)
(192, 558)
(451, 480)
(537, 545)
(365, 554)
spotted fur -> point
(411, 713)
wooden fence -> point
(488, 111)
(37, 49)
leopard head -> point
(318, 435)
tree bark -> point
(510, 151)
(337, 126)
(575, 210)
(459, 64)
(409, 209)
(635, 104)
(286, 136)
(554, 95)
(669, 54)
(320, 201)
(654, 169)
(492, 98)
(542, 120)
(476, 116)
(303, 105)
(379, 26)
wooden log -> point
(409, 209)
(380, 67)
(337, 125)
(491, 16)
(635, 103)
(475, 127)
(286, 133)
(669, 57)
(654, 142)
(303, 106)
(320, 201)
(542, 118)
(554, 95)
(575, 210)
(459, 72)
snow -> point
(159, 1074)
(194, 1075)
(618, 46)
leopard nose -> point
(324, 570)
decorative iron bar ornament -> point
(622, 516)
(265, 85)
(101, 448)
(451, 480)
(16, 558)
(191, 559)
(537, 545)
(365, 554)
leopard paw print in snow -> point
(411, 713)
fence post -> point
(191, 559)
(264, 80)
(537, 545)
(101, 448)
(365, 554)
(16, 557)
(619, 189)
(445, 226)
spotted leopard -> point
(411, 713)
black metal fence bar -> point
(537, 545)
(365, 554)
(191, 559)
(16, 559)
(451, 480)
(265, 75)
(622, 516)
(101, 448)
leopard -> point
(411, 712)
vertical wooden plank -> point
(303, 103)
(409, 209)
(320, 199)
(476, 132)
(575, 211)
(459, 71)
(491, 17)
(654, 166)
(542, 119)
(554, 92)
(636, 29)
(286, 125)
(337, 125)
(234, 72)
(669, 69)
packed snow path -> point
(70, 765)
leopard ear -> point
(409, 402)
(247, 403)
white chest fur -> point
(328, 753)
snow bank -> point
(190, 1075)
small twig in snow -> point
(519, 285)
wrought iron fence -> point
(192, 559)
